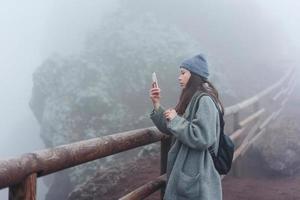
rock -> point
(149, 150)
(61, 190)
(114, 181)
(280, 146)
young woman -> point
(194, 123)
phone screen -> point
(154, 80)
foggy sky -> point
(30, 32)
(286, 15)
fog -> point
(30, 32)
(33, 30)
(287, 17)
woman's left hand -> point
(170, 114)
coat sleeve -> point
(200, 132)
(159, 120)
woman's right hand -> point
(155, 96)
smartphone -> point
(154, 80)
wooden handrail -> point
(252, 117)
(47, 161)
(236, 134)
(20, 173)
(250, 101)
(147, 189)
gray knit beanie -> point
(197, 65)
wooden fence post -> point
(236, 166)
(256, 106)
(236, 121)
(165, 146)
(25, 190)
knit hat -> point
(197, 65)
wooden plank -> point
(276, 85)
(239, 106)
(244, 145)
(236, 134)
(238, 151)
(267, 121)
(223, 176)
(242, 105)
(256, 106)
(257, 136)
(284, 101)
(235, 124)
(280, 93)
(277, 113)
(47, 161)
(250, 135)
(292, 87)
(146, 190)
(164, 149)
(252, 117)
(26, 190)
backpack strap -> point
(221, 115)
(222, 123)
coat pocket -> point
(188, 186)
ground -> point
(264, 188)
(277, 188)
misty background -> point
(229, 33)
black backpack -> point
(224, 157)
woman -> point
(194, 123)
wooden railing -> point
(20, 174)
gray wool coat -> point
(191, 174)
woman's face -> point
(184, 77)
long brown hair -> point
(194, 84)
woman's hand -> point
(154, 94)
(170, 114)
